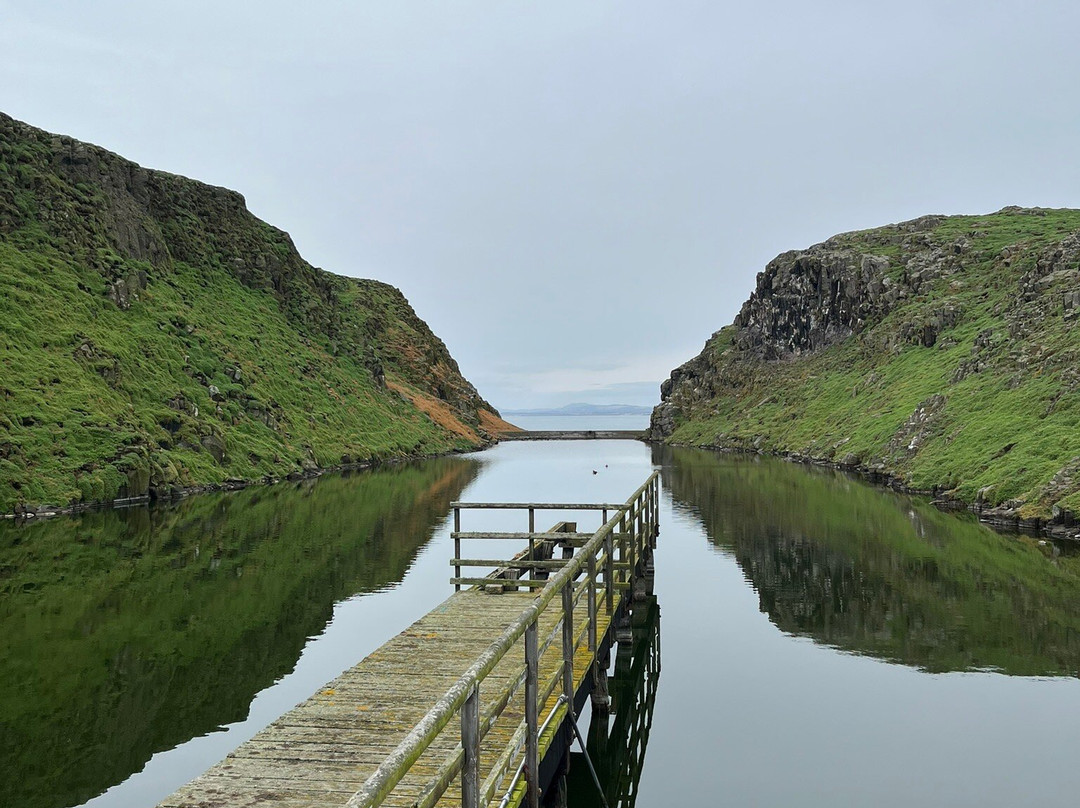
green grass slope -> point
(154, 336)
(942, 351)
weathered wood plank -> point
(321, 752)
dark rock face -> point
(809, 300)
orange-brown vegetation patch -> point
(495, 425)
(438, 411)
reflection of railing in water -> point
(618, 737)
(637, 675)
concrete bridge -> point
(575, 434)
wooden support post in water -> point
(601, 701)
(532, 745)
(470, 743)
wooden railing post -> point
(647, 526)
(623, 555)
(653, 513)
(639, 528)
(654, 493)
(568, 644)
(532, 543)
(609, 573)
(457, 546)
(591, 596)
(654, 516)
(470, 743)
(532, 740)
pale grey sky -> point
(574, 195)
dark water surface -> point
(823, 642)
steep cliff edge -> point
(942, 353)
(155, 336)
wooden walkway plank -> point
(325, 750)
(320, 752)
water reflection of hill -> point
(126, 632)
(872, 572)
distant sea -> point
(578, 422)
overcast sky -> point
(574, 195)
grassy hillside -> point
(155, 335)
(942, 351)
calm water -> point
(823, 642)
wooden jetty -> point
(475, 703)
(574, 434)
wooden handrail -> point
(389, 773)
(537, 506)
(545, 536)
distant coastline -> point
(585, 409)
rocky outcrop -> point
(916, 352)
(806, 301)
